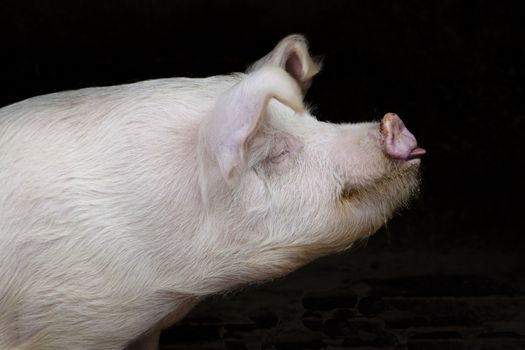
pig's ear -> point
(238, 113)
(291, 54)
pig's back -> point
(84, 108)
(83, 135)
(62, 155)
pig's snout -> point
(398, 142)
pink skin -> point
(398, 142)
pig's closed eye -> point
(280, 156)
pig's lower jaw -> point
(372, 206)
(362, 214)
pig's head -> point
(285, 188)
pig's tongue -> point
(399, 143)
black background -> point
(448, 273)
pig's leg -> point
(149, 341)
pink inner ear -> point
(294, 67)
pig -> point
(123, 207)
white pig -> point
(122, 207)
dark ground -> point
(447, 274)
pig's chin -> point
(375, 203)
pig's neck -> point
(187, 254)
(191, 251)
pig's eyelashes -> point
(279, 157)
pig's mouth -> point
(403, 177)
(416, 153)
(397, 142)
